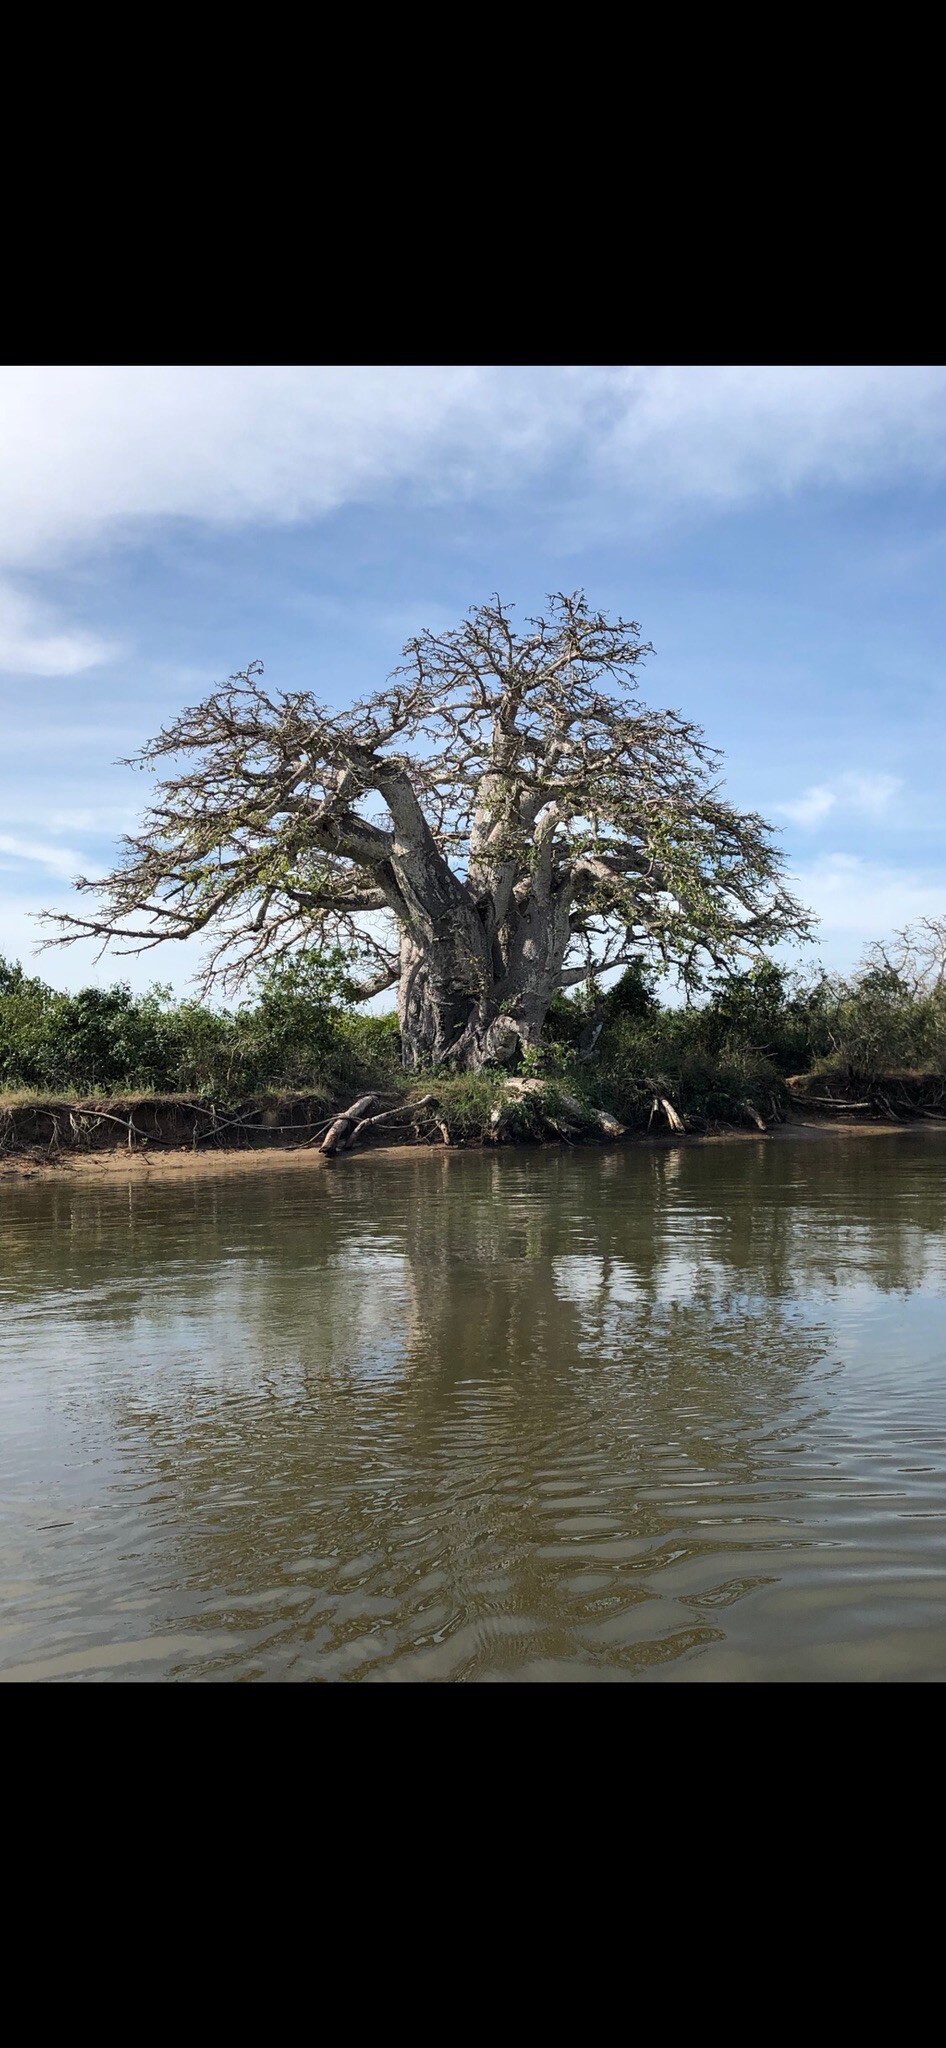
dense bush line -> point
(756, 1030)
(298, 1028)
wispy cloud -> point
(31, 646)
(859, 900)
(809, 809)
(88, 454)
(58, 860)
(731, 432)
(84, 448)
(865, 795)
(98, 821)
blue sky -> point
(780, 534)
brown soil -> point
(147, 1165)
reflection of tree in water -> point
(470, 1413)
(789, 1216)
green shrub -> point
(26, 1010)
(298, 1030)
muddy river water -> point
(640, 1413)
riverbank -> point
(146, 1165)
(161, 1134)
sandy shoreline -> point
(144, 1165)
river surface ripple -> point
(663, 1413)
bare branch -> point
(505, 805)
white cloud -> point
(30, 645)
(82, 449)
(871, 794)
(59, 860)
(810, 808)
(859, 900)
(864, 795)
(729, 432)
(87, 453)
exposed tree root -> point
(384, 1116)
(364, 1115)
(575, 1109)
(672, 1115)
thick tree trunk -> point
(447, 1024)
(446, 1020)
(473, 989)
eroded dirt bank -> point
(144, 1164)
(160, 1136)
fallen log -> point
(750, 1110)
(672, 1115)
(340, 1133)
(384, 1116)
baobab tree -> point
(503, 819)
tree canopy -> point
(503, 818)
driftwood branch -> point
(385, 1116)
(751, 1111)
(340, 1133)
(672, 1115)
